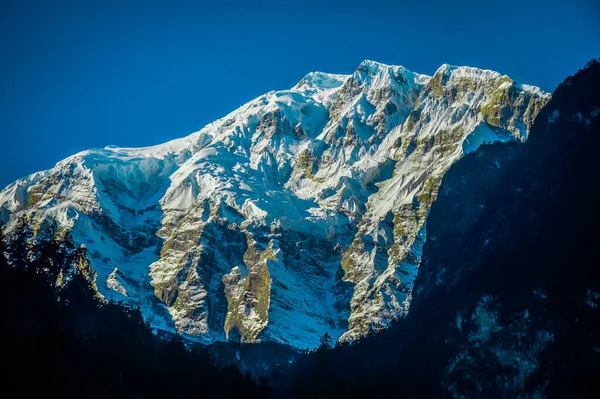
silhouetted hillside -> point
(507, 301)
(60, 340)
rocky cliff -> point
(302, 212)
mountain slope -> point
(507, 300)
(514, 283)
(301, 212)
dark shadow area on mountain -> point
(507, 301)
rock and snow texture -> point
(302, 212)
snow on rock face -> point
(302, 212)
(457, 110)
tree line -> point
(61, 338)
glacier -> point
(301, 212)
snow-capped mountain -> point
(302, 212)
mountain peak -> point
(321, 80)
(448, 69)
(448, 72)
(373, 65)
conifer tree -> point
(325, 343)
(18, 247)
(78, 261)
(46, 252)
(2, 243)
(3, 265)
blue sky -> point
(81, 74)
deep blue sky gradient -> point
(81, 74)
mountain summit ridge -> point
(301, 212)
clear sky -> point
(81, 74)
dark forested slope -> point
(507, 301)
(60, 340)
